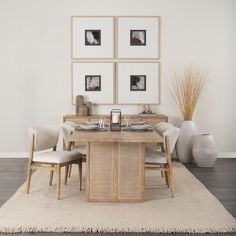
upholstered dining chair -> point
(44, 138)
(156, 158)
(67, 128)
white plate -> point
(140, 127)
(90, 122)
(88, 126)
(137, 123)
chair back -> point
(173, 134)
(161, 127)
(67, 128)
(45, 137)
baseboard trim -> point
(14, 155)
(226, 155)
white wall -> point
(35, 61)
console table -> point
(150, 119)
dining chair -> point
(156, 158)
(67, 128)
(43, 154)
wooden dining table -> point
(115, 164)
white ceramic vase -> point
(204, 150)
(184, 143)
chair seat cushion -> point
(81, 149)
(56, 156)
(153, 156)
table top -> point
(116, 136)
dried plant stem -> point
(186, 86)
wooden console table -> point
(115, 164)
(150, 119)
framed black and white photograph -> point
(92, 37)
(92, 82)
(137, 82)
(138, 37)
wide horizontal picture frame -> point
(148, 93)
(93, 80)
(138, 37)
(92, 37)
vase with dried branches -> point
(186, 85)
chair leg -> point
(70, 168)
(162, 174)
(170, 181)
(51, 176)
(58, 181)
(66, 174)
(29, 173)
(80, 174)
(166, 178)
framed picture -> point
(93, 80)
(92, 37)
(138, 37)
(138, 83)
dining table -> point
(115, 163)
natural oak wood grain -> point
(165, 168)
(150, 119)
(115, 164)
(33, 165)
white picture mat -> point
(106, 70)
(151, 25)
(151, 95)
(80, 24)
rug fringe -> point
(32, 229)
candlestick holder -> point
(115, 120)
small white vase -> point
(204, 150)
(184, 143)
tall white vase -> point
(184, 143)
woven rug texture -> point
(193, 209)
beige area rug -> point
(193, 209)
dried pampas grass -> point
(186, 85)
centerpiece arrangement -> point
(186, 85)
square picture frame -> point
(92, 37)
(138, 37)
(148, 92)
(93, 80)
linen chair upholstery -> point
(161, 159)
(67, 128)
(45, 138)
(154, 155)
(161, 127)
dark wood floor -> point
(220, 180)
